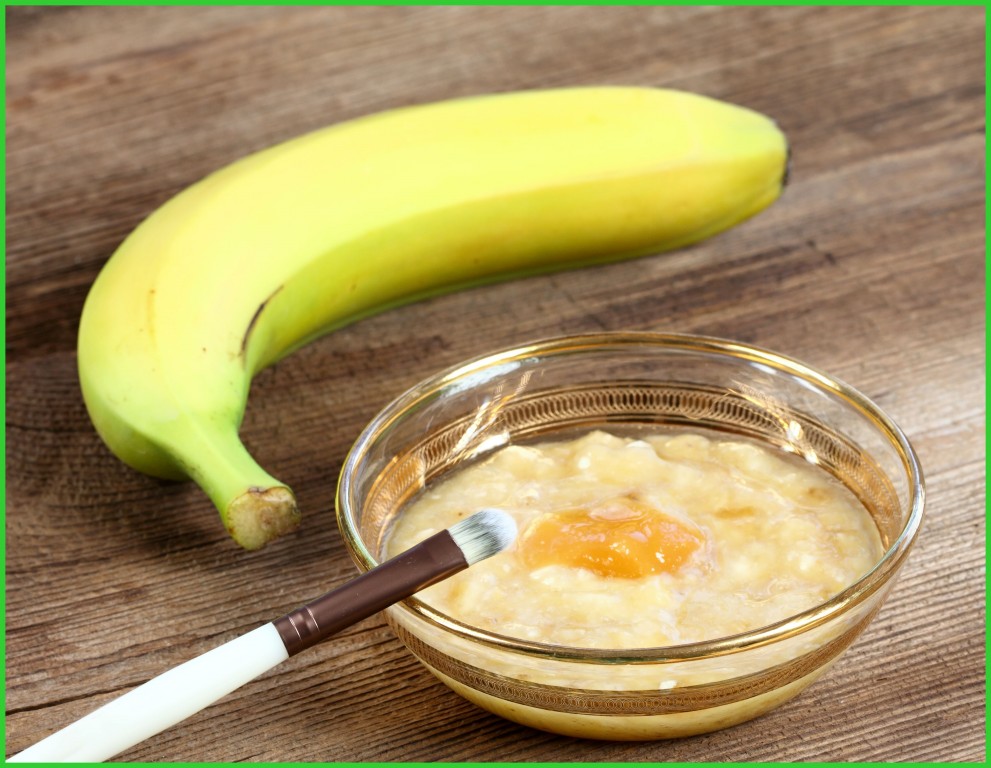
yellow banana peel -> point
(284, 245)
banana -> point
(284, 245)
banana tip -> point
(260, 515)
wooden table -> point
(871, 267)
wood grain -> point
(871, 267)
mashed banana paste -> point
(625, 542)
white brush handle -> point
(162, 702)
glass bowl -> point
(627, 381)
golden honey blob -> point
(621, 537)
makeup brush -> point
(175, 695)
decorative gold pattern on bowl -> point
(642, 702)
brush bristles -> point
(484, 534)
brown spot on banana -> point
(254, 321)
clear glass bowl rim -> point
(882, 572)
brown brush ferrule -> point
(417, 568)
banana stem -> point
(254, 506)
(259, 515)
